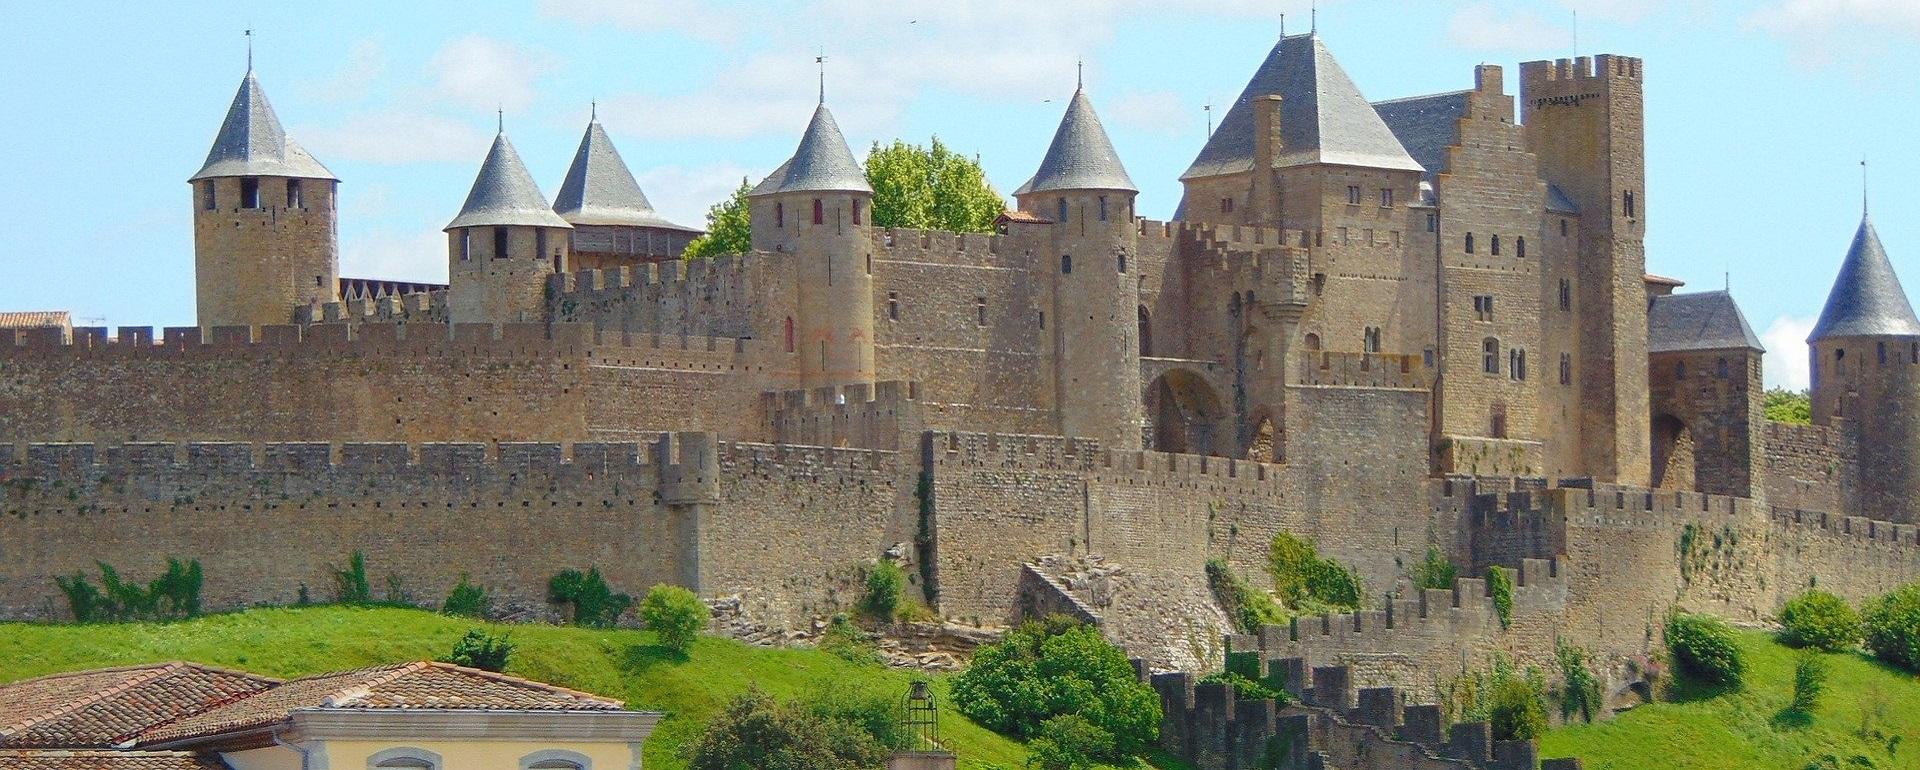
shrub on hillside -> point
(1045, 669)
(479, 649)
(173, 595)
(1436, 571)
(675, 615)
(1069, 742)
(1819, 620)
(846, 641)
(350, 584)
(886, 589)
(1579, 688)
(1308, 582)
(586, 594)
(467, 600)
(1519, 709)
(1893, 627)
(1809, 682)
(755, 731)
(1248, 607)
(1704, 648)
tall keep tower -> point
(503, 245)
(1085, 192)
(816, 207)
(1584, 121)
(264, 221)
(1866, 378)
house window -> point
(466, 244)
(1469, 243)
(249, 193)
(1371, 340)
(295, 199)
(779, 215)
(819, 212)
(1483, 307)
(1433, 223)
(893, 306)
(1517, 364)
(1226, 205)
(420, 759)
(1103, 208)
(1490, 356)
(556, 759)
(856, 211)
(1566, 369)
(207, 195)
(1386, 197)
(1066, 263)
(1061, 206)
(1496, 245)
(1628, 207)
(1520, 246)
(789, 334)
(1353, 195)
(1566, 294)
(499, 243)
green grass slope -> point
(290, 642)
(1866, 706)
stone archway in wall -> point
(1185, 412)
(1673, 454)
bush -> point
(1704, 648)
(1049, 668)
(592, 601)
(1245, 688)
(479, 649)
(1809, 681)
(86, 602)
(756, 731)
(1248, 607)
(675, 615)
(467, 600)
(1500, 587)
(1892, 625)
(1309, 583)
(173, 595)
(846, 641)
(1579, 689)
(1518, 711)
(1070, 742)
(886, 585)
(350, 584)
(1436, 571)
(1819, 620)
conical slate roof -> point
(505, 194)
(1866, 299)
(1081, 156)
(1323, 117)
(822, 162)
(252, 143)
(600, 189)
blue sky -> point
(1758, 113)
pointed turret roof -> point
(1866, 299)
(1704, 320)
(822, 162)
(505, 194)
(1323, 117)
(1081, 156)
(600, 189)
(252, 143)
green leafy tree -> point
(1436, 571)
(481, 650)
(1893, 627)
(729, 228)
(1046, 669)
(886, 590)
(675, 615)
(1820, 620)
(593, 602)
(1070, 742)
(1792, 406)
(175, 594)
(1704, 647)
(930, 188)
(467, 600)
(755, 731)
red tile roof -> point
(422, 685)
(104, 707)
(57, 759)
(29, 319)
(1016, 215)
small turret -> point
(504, 244)
(816, 207)
(1865, 353)
(264, 221)
(614, 225)
(1084, 191)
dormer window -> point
(249, 193)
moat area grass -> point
(289, 642)
(1710, 730)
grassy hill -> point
(1866, 705)
(289, 642)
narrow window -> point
(1566, 369)
(1122, 259)
(540, 245)
(1563, 228)
(1499, 420)
(1496, 245)
(1043, 319)
(557, 266)
(893, 306)
(1066, 263)
(1680, 370)
(207, 197)
(1103, 208)
(466, 244)
(1433, 223)
(1566, 294)
(1520, 246)
(1226, 205)
(319, 280)
(249, 193)
(1627, 205)
(295, 200)
(1490, 356)
(1469, 243)
(499, 243)
(1145, 322)
(1386, 197)
(789, 334)
(819, 212)
(1883, 353)
(1916, 352)
(1371, 342)
(980, 310)
(1319, 283)
(779, 215)
(1061, 206)
(856, 211)
(823, 355)
(1520, 367)
(1353, 195)
(1721, 368)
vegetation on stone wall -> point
(675, 614)
(481, 650)
(1892, 624)
(467, 600)
(1500, 587)
(1579, 688)
(729, 228)
(886, 588)
(1309, 583)
(1249, 608)
(588, 599)
(1703, 647)
(1047, 669)
(930, 188)
(1819, 620)
(844, 640)
(173, 595)
(1436, 571)
(350, 585)
(1789, 406)
(1512, 703)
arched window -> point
(1066, 263)
(789, 334)
(1469, 243)
(405, 758)
(1520, 246)
(1490, 356)
(1313, 341)
(1146, 332)
(556, 759)
(1496, 246)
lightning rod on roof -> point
(1863, 185)
(822, 61)
(249, 36)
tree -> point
(675, 615)
(886, 587)
(1705, 648)
(1792, 406)
(1820, 620)
(1893, 627)
(729, 228)
(594, 603)
(1047, 669)
(481, 650)
(467, 600)
(930, 188)
(755, 731)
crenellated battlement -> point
(1601, 67)
(998, 451)
(1853, 528)
(864, 415)
(696, 272)
(1410, 624)
(1364, 370)
(418, 307)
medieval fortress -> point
(1387, 326)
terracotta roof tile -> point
(55, 759)
(104, 707)
(33, 319)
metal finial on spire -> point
(500, 115)
(1208, 108)
(1863, 185)
(249, 36)
(1313, 20)
(593, 109)
(1283, 25)
(822, 61)
(1079, 73)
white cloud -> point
(484, 73)
(365, 62)
(398, 135)
(1483, 27)
(395, 255)
(683, 195)
(1785, 365)
(1160, 112)
(1822, 32)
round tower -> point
(264, 235)
(1865, 365)
(816, 206)
(1084, 191)
(504, 245)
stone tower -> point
(1866, 378)
(264, 236)
(614, 225)
(1084, 191)
(503, 245)
(816, 207)
(1584, 122)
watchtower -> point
(264, 221)
(503, 245)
